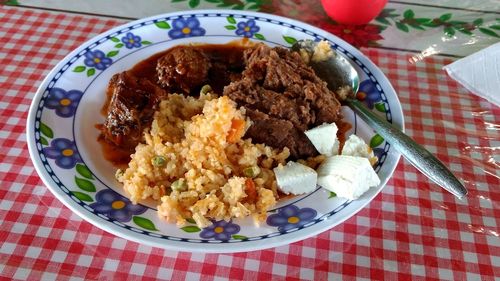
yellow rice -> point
(190, 133)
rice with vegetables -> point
(195, 163)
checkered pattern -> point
(413, 230)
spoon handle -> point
(417, 155)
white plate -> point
(63, 144)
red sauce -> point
(228, 61)
(230, 56)
(117, 156)
(343, 127)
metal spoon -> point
(338, 72)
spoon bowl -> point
(336, 71)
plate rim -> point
(62, 197)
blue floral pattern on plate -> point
(64, 151)
(186, 27)
(290, 217)
(115, 206)
(368, 93)
(131, 41)
(220, 230)
(247, 29)
(97, 59)
(63, 102)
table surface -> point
(413, 230)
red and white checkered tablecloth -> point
(412, 230)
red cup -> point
(353, 11)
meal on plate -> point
(215, 132)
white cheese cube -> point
(295, 178)
(348, 176)
(355, 146)
(324, 138)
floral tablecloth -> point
(412, 230)
(446, 27)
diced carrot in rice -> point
(237, 130)
(250, 190)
